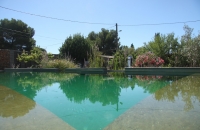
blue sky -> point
(50, 34)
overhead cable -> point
(153, 24)
(66, 20)
(25, 34)
(14, 30)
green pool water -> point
(92, 102)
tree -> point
(95, 59)
(172, 47)
(190, 47)
(76, 47)
(119, 60)
(105, 40)
(157, 46)
(166, 47)
(139, 51)
(16, 35)
(132, 46)
(92, 36)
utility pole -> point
(116, 36)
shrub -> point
(35, 55)
(61, 64)
(148, 59)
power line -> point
(154, 24)
(15, 30)
(54, 44)
(66, 20)
(18, 33)
(51, 45)
(26, 34)
(111, 27)
(21, 34)
(47, 37)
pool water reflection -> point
(100, 102)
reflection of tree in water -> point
(95, 88)
(11, 81)
(12, 101)
(106, 90)
(151, 83)
(13, 104)
(39, 80)
(36, 81)
(188, 87)
(29, 83)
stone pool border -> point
(71, 70)
(162, 71)
(127, 71)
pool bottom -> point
(159, 115)
(167, 113)
(35, 117)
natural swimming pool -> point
(91, 102)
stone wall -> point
(8, 58)
(4, 59)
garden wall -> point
(4, 59)
(8, 58)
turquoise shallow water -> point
(88, 101)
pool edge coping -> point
(126, 70)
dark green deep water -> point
(93, 102)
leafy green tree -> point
(173, 55)
(92, 36)
(128, 51)
(190, 47)
(139, 51)
(119, 60)
(95, 59)
(76, 47)
(165, 46)
(158, 45)
(132, 46)
(16, 35)
(105, 40)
